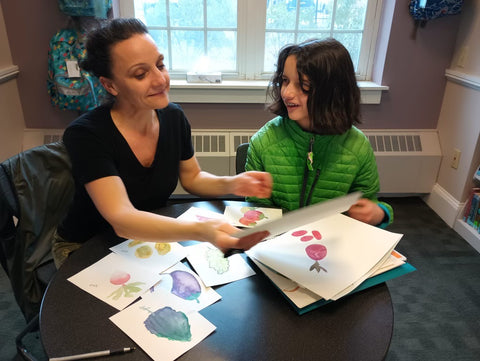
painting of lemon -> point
(162, 248)
(143, 252)
(134, 243)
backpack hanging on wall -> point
(424, 10)
(69, 86)
(96, 8)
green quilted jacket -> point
(341, 164)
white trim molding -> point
(8, 73)
(469, 80)
(444, 204)
(248, 91)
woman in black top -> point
(128, 155)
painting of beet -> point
(305, 237)
(170, 324)
(251, 216)
(185, 285)
(316, 252)
(120, 278)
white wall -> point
(459, 121)
(11, 116)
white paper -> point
(115, 280)
(329, 255)
(163, 332)
(303, 216)
(182, 288)
(156, 256)
(200, 214)
(299, 295)
(249, 216)
(213, 268)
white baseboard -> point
(451, 211)
(444, 204)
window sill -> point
(245, 91)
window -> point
(241, 38)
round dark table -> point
(254, 321)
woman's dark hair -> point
(101, 40)
(333, 94)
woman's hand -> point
(252, 184)
(366, 211)
(219, 233)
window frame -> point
(251, 88)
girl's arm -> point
(198, 182)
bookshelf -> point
(469, 233)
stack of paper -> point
(327, 259)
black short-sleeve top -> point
(97, 149)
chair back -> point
(39, 187)
(241, 157)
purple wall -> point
(30, 25)
(414, 71)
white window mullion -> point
(126, 9)
(369, 39)
(255, 35)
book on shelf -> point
(470, 214)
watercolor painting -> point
(216, 260)
(120, 278)
(115, 280)
(345, 253)
(245, 216)
(168, 323)
(200, 214)
(158, 256)
(163, 332)
(213, 268)
(181, 287)
(316, 252)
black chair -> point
(36, 189)
(241, 157)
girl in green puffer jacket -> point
(312, 148)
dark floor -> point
(437, 307)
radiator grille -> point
(209, 143)
(396, 143)
(239, 139)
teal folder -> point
(372, 281)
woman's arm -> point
(198, 182)
(110, 198)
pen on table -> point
(93, 354)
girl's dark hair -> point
(333, 95)
(100, 41)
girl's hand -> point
(252, 184)
(366, 211)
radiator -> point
(408, 161)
